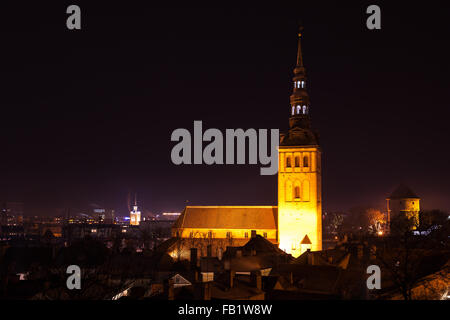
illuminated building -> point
(403, 201)
(135, 215)
(170, 215)
(296, 223)
(12, 214)
(299, 173)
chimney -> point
(170, 289)
(209, 251)
(231, 275)
(253, 252)
(206, 290)
(253, 234)
(310, 257)
(220, 254)
(291, 278)
(227, 264)
(239, 253)
(193, 258)
(257, 279)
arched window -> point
(304, 109)
(299, 109)
(298, 84)
(293, 110)
(305, 161)
(297, 161)
(288, 162)
(303, 84)
(297, 192)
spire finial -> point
(299, 49)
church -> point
(295, 225)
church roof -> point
(228, 217)
(403, 192)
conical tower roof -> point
(403, 192)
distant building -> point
(169, 216)
(135, 214)
(403, 201)
(12, 214)
(71, 232)
(102, 215)
(3, 216)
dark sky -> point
(87, 115)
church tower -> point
(299, 173)
(135, 214)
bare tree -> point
(403, 255)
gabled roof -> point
(403, 192)
(262, 246)
(306, 240)
(318, 259)
(228, 217)
(180, 280)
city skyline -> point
(224, 158)
(92, 113)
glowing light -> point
(380, 233)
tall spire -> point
(299, 48)
(300, 106)
(300, 132)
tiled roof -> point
(228, 217)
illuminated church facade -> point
(295, 225)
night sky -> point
(87, 115)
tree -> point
(375, 219)
(145, 237)
(333, 222)
(364, 219)
(406, 255)
(431, 219)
